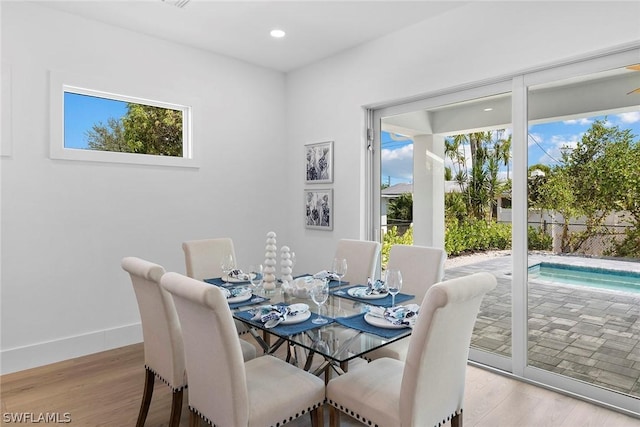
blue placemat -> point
(219, 282)
(332, 283)
(380, 302)
(357, 322)
(256, 299)
(285, 330)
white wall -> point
(66, 225)
(479, 41)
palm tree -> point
(504, 152)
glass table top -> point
(336, 342)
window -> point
(96, 125)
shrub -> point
(629, 247)
(476, 235)
(538, 240)
(391, 238)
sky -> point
(545, 144)
(82, 111)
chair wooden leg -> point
(317, 417)
(149, 379)
(334, 417)
(456, 420)
(176, 409)
(194, 419)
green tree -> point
(454, 150)
(448, 175)
(109, 137)
(597, 171)
(480, 182)
(553, 192)
(401, 208)
(503, 152)
(144, 129)
(599, 176)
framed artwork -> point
(318, 209)
(319, 162)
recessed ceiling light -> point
(277, 34)
(488, 109)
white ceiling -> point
(240, 29)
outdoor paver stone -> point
(544, 350)
(626, 363)
(582, 332)
(579, 351)
(620, 343)
(612, 367)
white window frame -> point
(94, 86)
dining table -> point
(349, 333)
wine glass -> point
(227, 264)
(255, 277)
(339, 267)
(394, 284)
(319, 295)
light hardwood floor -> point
(105, 389)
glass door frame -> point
(599, 395)
(460, 94)
(518, 85)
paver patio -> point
(582, 332)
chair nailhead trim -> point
(175, 389)
(369, 422)
(278, 424)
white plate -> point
(381, 323)
(240, 298)
(301, 307)
(235, 280)
(298, 318)
(352, 292)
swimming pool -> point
(628, 281)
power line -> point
(540, 147)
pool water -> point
(628, 281)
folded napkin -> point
(238, 291)
(238, 274)
(324, 274)
(373, 288)
(282, 312)
(398, 315)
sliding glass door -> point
(445, 181)
(583, 190)
(535, 179)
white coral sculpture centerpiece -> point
(286, 265)
(270, 256)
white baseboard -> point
(31, 356)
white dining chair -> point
(362, 259)
(224, 390)
(427, 389)
(202, 260)
(421, 267)
(203, 257)
(162, 336)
